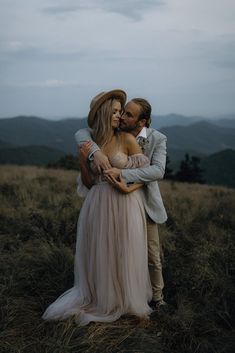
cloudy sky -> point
(55, 55)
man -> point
(136, 120)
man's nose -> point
(122, 116)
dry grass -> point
(38, 214)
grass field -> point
(38, 215)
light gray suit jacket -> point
(155, 149)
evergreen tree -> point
(69, 162)
(190, 170)
(168, 171)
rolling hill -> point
(29, 155)
(219, 168)
(37, 141)
(201, 137)
(24, 131)
(161, 121)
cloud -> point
(165, 50)
(60, 10)
(225, 53)
(50, 83)
(21, 53)
(133, 9)
(219, 52)
(31, 53)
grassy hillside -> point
(38, 215)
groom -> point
(136, 120)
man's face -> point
(129, 119)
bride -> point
(111, 267)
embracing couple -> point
(117, 267)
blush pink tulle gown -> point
(111, 262)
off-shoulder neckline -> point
(127, 155)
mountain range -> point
(161, 121)
(29, 155)
(201, 137)
(25, 131)
(34, 140)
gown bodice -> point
(121, 160)
(118, 160)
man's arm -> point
(153, 172)
(83, 136)
(100, 159)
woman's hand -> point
(85, 150)
(114, 172)
(121, 185)
(101, 161)
(118, 184)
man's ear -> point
(142, 122)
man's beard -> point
(127, 128)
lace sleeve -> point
(137, 161)
(82, 190)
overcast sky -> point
(55, 55)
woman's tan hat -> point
(98, 100)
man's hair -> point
(146, 110)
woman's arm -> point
(122, 186)
(86, 177)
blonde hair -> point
(102, 130)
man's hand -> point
(114, 172)
(84, 150)
(101, 161)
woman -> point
(111, 267)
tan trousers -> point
(154, 260)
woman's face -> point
(116, 114)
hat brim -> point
(117, 93)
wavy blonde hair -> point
(102, 130)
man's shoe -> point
(159, 305)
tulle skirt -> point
(111, 265)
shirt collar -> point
(142, 133)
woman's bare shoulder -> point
(130, 143)
(127, 137)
